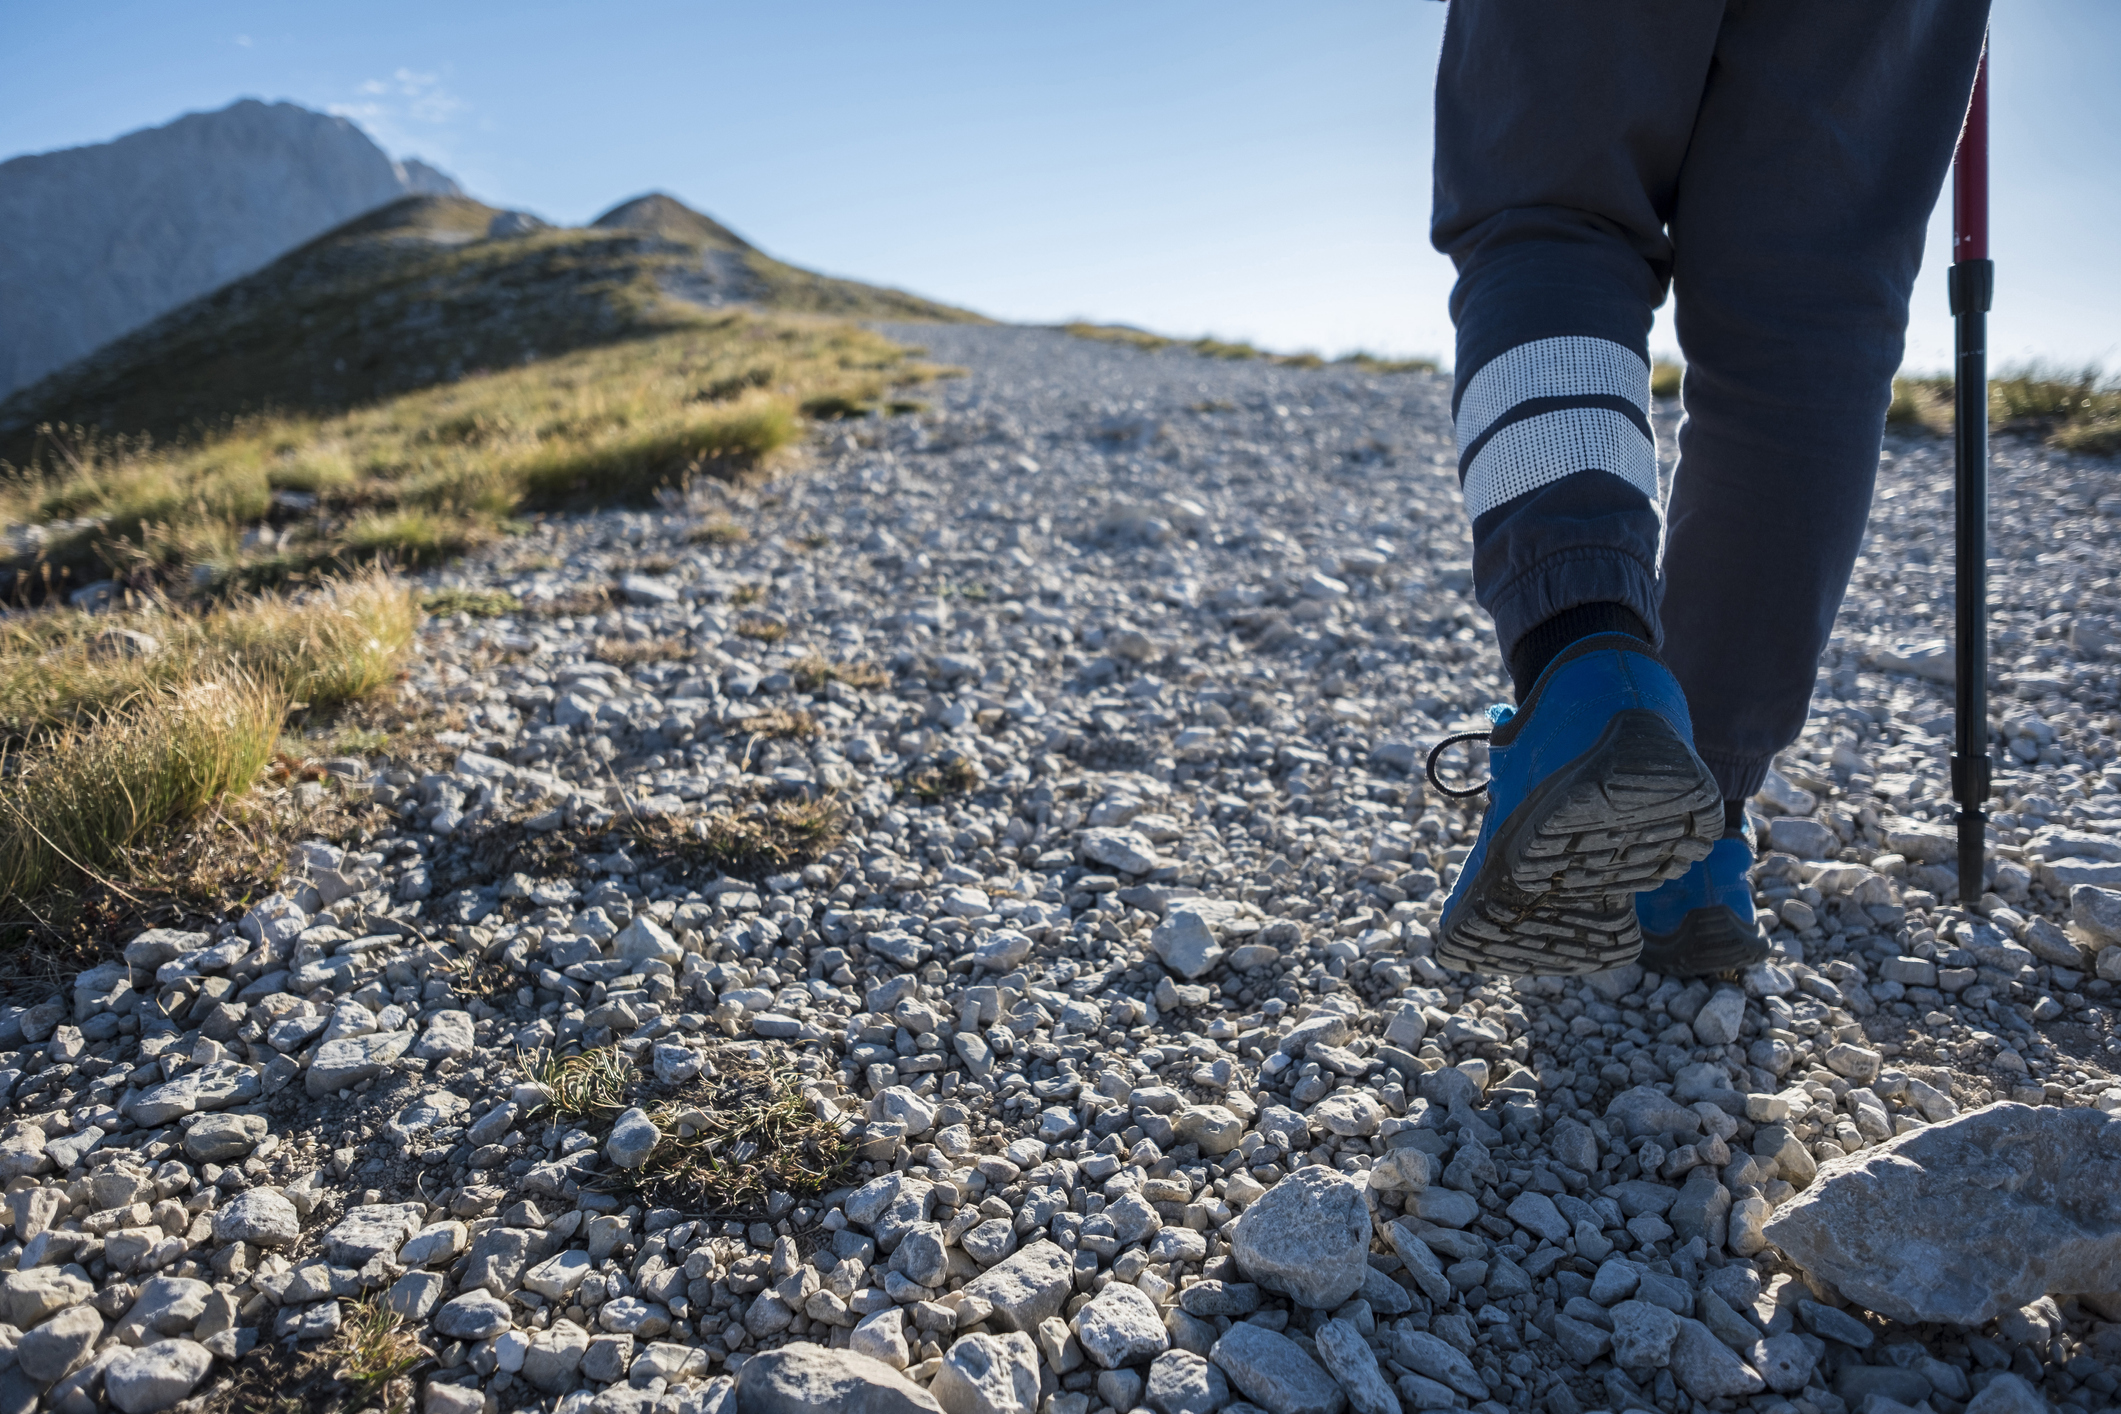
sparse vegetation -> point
(1371, 363)
(814, 671)
(420, 475)
(718, 530)
(953, 775)
(622, 653)
(478, 603)
(1237, 349)
(747, 594)
(78, 797)
(590, 1085)
(739, 1133)
(762, 627)
(780, 724)
(2077, 410)
(1666, 378)
(750, 842)
(375, 1357)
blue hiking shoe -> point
(1595, 794)
(1702, 922)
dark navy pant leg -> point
(1824, 137)
(1779, 161)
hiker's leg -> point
(1561, 130)
(1824, 137)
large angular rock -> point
(810, 1379)
(1185, 940)
(1307, 1238)
(374, 1229)
(262, 1217)
(1273, 1372)
(349, 1060)
(1960, 1222)
(1027, 1288)
(1120, 1326)
(154, 1377)
(988, 1374)
(1350, 1361)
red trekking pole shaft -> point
(1971, 283)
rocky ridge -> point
(106, 237)
(1119, 982)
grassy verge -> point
(78, 798)
(316, 649)
(1239, 350)
(129, 742)
(424, 475)
(2075, 410)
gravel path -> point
(1157, 1095)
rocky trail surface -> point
(1064, 740)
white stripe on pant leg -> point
(1576, 366)
(1538, 451)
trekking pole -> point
(1971, 282)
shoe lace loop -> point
(1497, 715)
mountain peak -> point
(673, 220)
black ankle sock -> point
(1532, 653)
(1733, 815)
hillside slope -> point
(420, 293)
(101, 239)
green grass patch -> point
(79, 797)
(2077, 410)
(431, 474)
(1666, 378)
(478, 603)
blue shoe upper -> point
(1723, 879)
(1561, 718)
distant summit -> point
(102, 239)
(424, 290)
(671, 219)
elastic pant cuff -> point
(1738, 777)
(1565, 581)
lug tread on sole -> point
(1644, 813)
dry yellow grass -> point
(319, 647)
(424, 475)
(81, 795)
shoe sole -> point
(1707, 941)
(1555, 895)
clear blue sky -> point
(1245, 169)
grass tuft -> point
(478, 603)
(622, 654)
(375, 1354)
(589, 1086)
(739, 1134)
(814, 671)
(749, 843)
(764, 628)
(1666, 378)
(955, 775)
(81, 795)
(780, 724)
(2077, 410)
(320, 648)
(718, 530)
